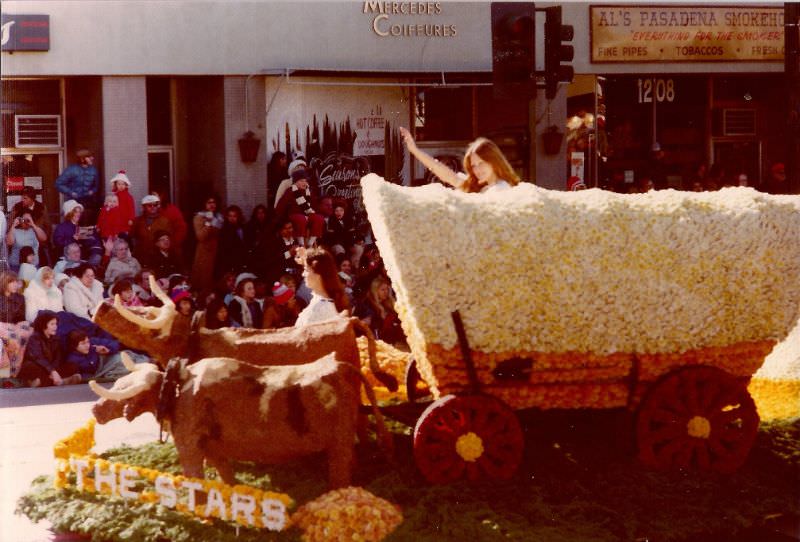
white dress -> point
(499, 186)
(320, 309)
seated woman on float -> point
(328, 298)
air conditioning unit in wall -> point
(37, 131)
(739, 122)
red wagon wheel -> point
(476, 436)
(697, 417)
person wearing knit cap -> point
(121, 185)
(81, 182)
(69, 231)
(281, 294)
(243, 308)
(296, 165)
(297, 204)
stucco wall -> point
(128, 37)
(125, 132)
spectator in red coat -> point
(179, 229)
(120, 185)
(110, 222)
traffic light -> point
(513, 32)
(556, 52)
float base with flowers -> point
(665, 303)
(344, 514)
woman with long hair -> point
(487, 169)
(378, 311)
(328, 297)
(44, 363)
(12, 304)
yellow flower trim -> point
(250, 506)
(469, 446)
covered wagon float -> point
(665, 303)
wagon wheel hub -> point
(699, 427)
(697, 417)
(469, 447)
(477, 437)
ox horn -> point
(165, 315)
(118, 395)
(128, 362)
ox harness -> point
(168, 395)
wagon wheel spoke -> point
(665, 416)
(716, 426)
(476, 437)
(667, 433)
(711, 393)
(689, 391)
(702, 455)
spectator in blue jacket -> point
(68, 232)
(81, 182)
(92, 355)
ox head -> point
(145, 328)
(131, 395)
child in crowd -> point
(124, 288)
(346, 275)
(184, 304)
(111, 223)
(127, 208)
(283, 307)
(243, 308)
(217, 316)
(27, 264)
(141, 287)
(92, 356)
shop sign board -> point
(25, 32)
(671, 33)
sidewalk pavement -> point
(31, 421)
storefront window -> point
(655, 129)
(443, 114)
(27, 97)
(159, 111)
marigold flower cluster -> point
(588, 281)
(391, 360)
(351, 514)
(78, 443)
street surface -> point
(31, 421)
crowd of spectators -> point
(300, 259)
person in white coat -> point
(83, 293)
(42, 294)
